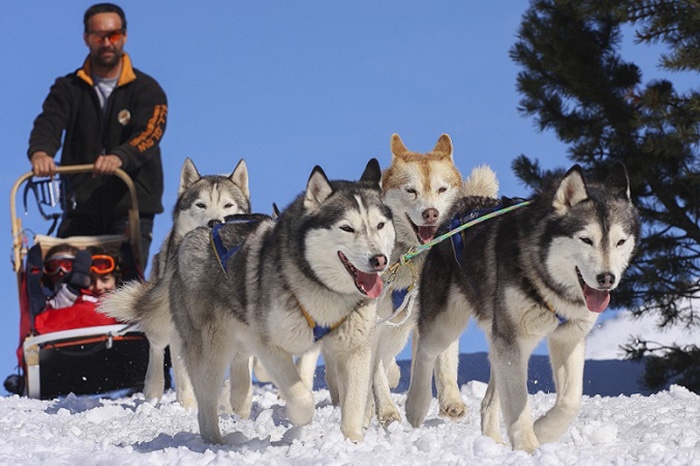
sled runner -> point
(82, 354)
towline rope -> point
(416, 250)
(405, 260)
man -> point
(110, 114)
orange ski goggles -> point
(101, 264)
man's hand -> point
(106, 165)
(43, 164)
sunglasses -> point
(98, 37)
(101, 264)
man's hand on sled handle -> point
(43, 164)
(106, 164)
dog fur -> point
(419, 188)
(201, 201)
(543, 271)
(321, 258)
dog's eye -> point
(229, 205)
(621, 242)
(201, 205)
(587, 240)
(442, 190)
(411, 191)
(380, 225)
(347, 229)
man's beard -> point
(111, 61)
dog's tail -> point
(482, 182)
(124, 303)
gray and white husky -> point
(201, 200)
(543, 270)
(419, 189)
(309, 278)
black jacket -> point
(131, 128)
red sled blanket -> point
(81, 314)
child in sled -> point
(78, 278)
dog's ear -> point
(188, 176)
(444, 145)
(318, 188)
(239, 177)
(372, 173)
(571, 191)
(618, 181)
(397, 146)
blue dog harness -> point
(222, 253)
(397, 297)
(462, 218)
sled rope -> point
(406, 304)
(416, 250)
(406, 296)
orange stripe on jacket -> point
(153, 131)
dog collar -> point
(560, 318)
(319, 331)
(539, 299)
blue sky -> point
(286, 86)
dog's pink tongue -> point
(596, 300)
(370, 283)
(426, 233)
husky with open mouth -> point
(274, 289)
(545, 270)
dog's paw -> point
(187, 402)
(354, 435)
(388, 417)
(526, 445)
(300, 404)
(454, 410)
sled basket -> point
(85, 361)
(100, 357)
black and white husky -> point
(201, 201)
(544, 270)
(277, 288)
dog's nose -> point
(606, 280)
(378, 262)
(212, 223)
(430, 215)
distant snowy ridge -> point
(606, 339)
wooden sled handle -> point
(134, 225)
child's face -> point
(102, 283)
(54, 279)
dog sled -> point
(100, 355)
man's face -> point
(105, 39)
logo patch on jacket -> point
(124, 117)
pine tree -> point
(575, 83)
